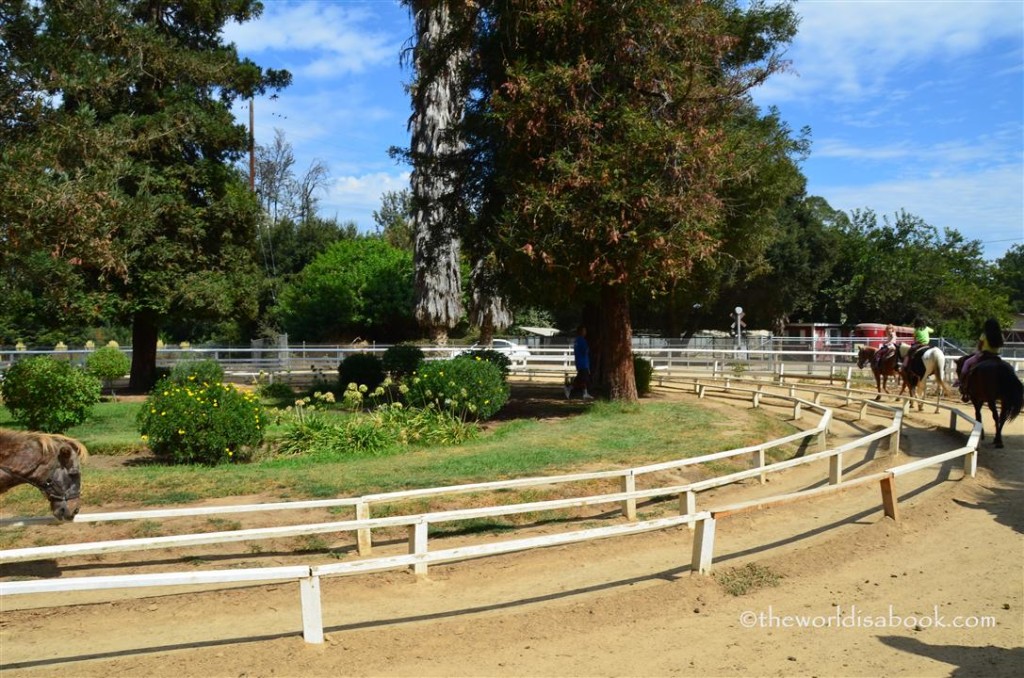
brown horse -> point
(992, 380)
(889, 367)
(51, 463)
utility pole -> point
(252, 149)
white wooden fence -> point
(419, 556)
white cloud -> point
(341, 39)
(852, 49)
(356, 197)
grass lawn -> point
(598, 436)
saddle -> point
(914, 360)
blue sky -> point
(913, 104)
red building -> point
(874, 333)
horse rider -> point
(887, 348)
(989, 343)
(922, 337)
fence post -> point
(364, 539)
(629, 505)
(889, 498)
(835, 469)
(703, 546)
(312, 612)
(418, 545)
(688, 506)
(971, 463)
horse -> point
(49, 462)
(925, 362)
(889, 367)
(993, 380)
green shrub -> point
(643, 370)
(201, 423)
(49, 395)
(500, 359)
(468, 387)
(363, 369)
(107, 364)
(402, 359)
(276, 390)
(198, 372)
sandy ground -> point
(938, 592)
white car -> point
(515, 352)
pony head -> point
(63, 486)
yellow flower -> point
(181, 431)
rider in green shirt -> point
(922, 337)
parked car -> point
(517, 353)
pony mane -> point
(52, 442)
(49, 443)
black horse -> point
(992, 380)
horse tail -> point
(1011, 391)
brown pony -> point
(992, 380)
(51, 463)
(890, 367)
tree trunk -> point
(144, 338)
(615, 345)
(438, 102)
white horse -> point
(934, 362)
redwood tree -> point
(602, 144)
(440, 55)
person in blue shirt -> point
(581, 356)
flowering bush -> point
(388, 428)
(491, 356)
(201, 423)
(468, 387)
(48, 395)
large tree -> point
(129, 106)
(604, 144)
(440, 56)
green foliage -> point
(502, 361)
(1009, 273)
(469, 388)
(119, 157)
(197, 372)
(643, 370)
(904, 269)
(402, 359)
(388, 428)
(201, 423)
(356, 288)
(394, 219)
(276, 390)
(362, 369)
(48, 395)
(108, 363)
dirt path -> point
(623, 606)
